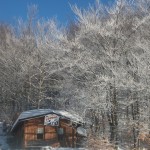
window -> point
(40, 133)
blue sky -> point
(11, 10)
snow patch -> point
(3, 139)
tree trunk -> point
(113, 121)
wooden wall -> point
(50, 136)
(69, 133)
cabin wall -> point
(69, 137)
(51, 135)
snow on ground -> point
(3, 144)
(3, 138)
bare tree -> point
(108, 57)
(98, 67)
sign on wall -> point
(51, 120)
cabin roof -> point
(42, 112)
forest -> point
(97, 66)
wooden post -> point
(43, 129)
(72, 137)
(24, 138)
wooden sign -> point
(51, 120)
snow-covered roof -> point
(41, 112)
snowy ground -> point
(3, 143)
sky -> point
(12, 10)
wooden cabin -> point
(46, 127)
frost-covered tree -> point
(97, 67)
(108, 72)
